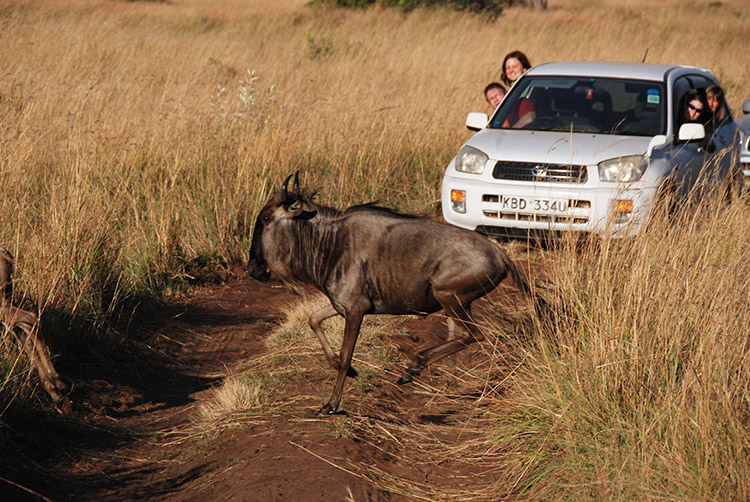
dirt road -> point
(133, 434)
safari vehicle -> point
(744, 126)
(586, 147)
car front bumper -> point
(601, 209)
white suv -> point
(743, 123)
(586, 147)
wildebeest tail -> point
(540, 305)
(518, 279)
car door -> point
(721, 147)
(688, 157)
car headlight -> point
(470, 160)
(623, 169)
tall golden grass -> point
(641, 390)
(138, 136)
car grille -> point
(577, 213)
(564, 219)
(540, 173)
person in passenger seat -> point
(715, 101)
(515, 64)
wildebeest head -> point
(267, 246)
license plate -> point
(533, 204)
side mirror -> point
(691, 132)
(476, 121)
(746, 106)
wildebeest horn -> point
(284, 195)
(296, 184)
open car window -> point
(584, 104)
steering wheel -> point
(544, 122)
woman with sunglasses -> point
(694, 108)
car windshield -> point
(584, 104)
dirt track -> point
(137, 441)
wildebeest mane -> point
(374, 207)
(332, 212)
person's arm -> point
(526, 113)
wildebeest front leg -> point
(461, 318)
(351, 332)
(315, 321)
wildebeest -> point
(372, 260)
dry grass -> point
(642, 388)
(237, 398)
(137, 136)
(140, 135)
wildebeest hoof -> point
(407, 376)
(404, 379)
(326, 411)
(65, 406)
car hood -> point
(556, 147)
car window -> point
(690, 85)
(584, 104)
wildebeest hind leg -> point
(315, 321)
(470, 334)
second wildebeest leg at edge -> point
(353, 318)
(315, 320)
(25, 330)
(460, 317)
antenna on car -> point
(644, 56)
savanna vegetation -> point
(140, 138)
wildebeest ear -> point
(298, 212)
(295, 208)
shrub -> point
(492, 7)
